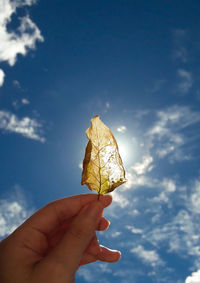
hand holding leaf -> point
(103, 170)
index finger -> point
(53, 214)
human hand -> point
(52, 244)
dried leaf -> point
(103, 170)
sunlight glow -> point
(124, 150)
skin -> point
(52, 244)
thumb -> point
(70, 249)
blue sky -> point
(136, 63)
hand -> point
(52, 244)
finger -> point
(109, 255)
(57, 235)
(49, 217)
(105, 254)
(69, 251)
(93, 247)
(103, 224)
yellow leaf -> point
(103, 169)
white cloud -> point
(194, 278)
(25, 101)
(167, 187)
(91, 273)
(2, 76)
(115, 234)
(27, 127)
(104, 267)
(121, 129)
(181, 116)
(14, 43)
(141, 168)
(163, 225)
(134, 230)
(86, 274)
(134, 181)
(134, 212)
(167, 132)
(12, 214)
(162, 152)
(195, 198)
(181, 234)
(148, 256)
(119, 199)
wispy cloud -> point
(13, 211)
(181, 235)
(12, 214)
(178, 229)
(2, 76)
(148, 256)
(157, 85)
(115, 234)
(160, 212)
(175, 229)
(27, 127)
(167, 132)
(134, 180)
(17, 104)
(16, 84)
(181, 53)
(86, 274)
(167, 186)
(119, 199)
(180, 37)
(107, 105)
(90, 275)
(141, 167)
(186, 81)
(134, 230)
(195, 198)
